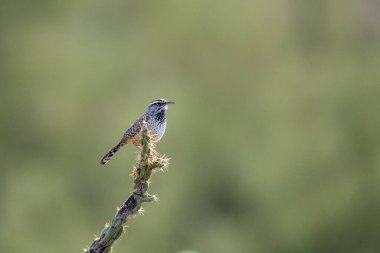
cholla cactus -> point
(147, 162)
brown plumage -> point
(155, 120)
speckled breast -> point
(158, 129)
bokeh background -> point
(274, 138)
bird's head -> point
(159, 105)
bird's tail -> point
(110, 154)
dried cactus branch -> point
(148, 161)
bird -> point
(155, 119)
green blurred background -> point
(274, 138)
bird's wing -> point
(134, 129)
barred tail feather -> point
(110, 154)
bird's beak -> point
(170, 102)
